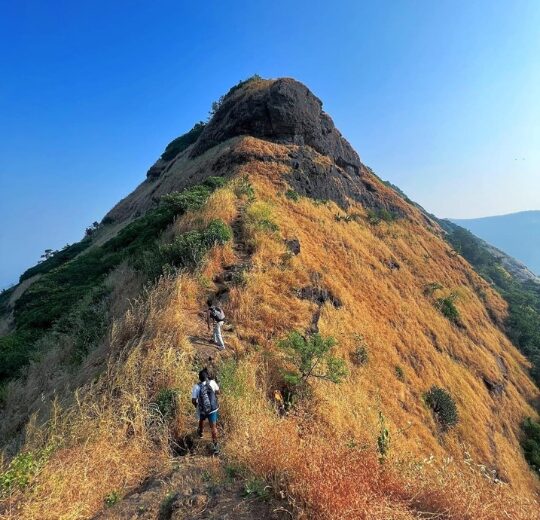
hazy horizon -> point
(441, 100)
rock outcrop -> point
(283, 111)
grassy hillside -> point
(367, 372)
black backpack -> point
(207, 400)
(217, 313)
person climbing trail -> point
(204, 398)
(216, 316)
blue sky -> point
(441, 98)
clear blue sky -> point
(441, 98)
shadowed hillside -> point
(368, 372)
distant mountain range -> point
(517, 234)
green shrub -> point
(430, 288)
(531, 443)
(166, 401)
(400, 374)
(443, 406)
(360, 356)
(243, 188)
(256, 487)
(21, 469)
(260, 217)
(311, 358)
(448, 308)
(292, 195)
(376, 216)
(188, 250)
(111, 498)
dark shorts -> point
(212, 418)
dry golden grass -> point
(112, 437)
(323, 455)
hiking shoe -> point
(215, 448)
(199, 433)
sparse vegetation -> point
(292, 195)
(400, 373)
(443, 406)
(111, 498)
(376, 216)
(255, 487)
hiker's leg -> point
(218, 338)
(201, 426)
(212, 419)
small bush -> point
(311, 358)
(188, 250)
(448, 308)
(292, 195)
(400, 374)
(111, 498)
(376, 216)
(343, 218)
(430, 288)
(256, 487)
(166, 506)
(443, 406)
(360, 355)
(165, 402)
(21, 470)
(531, 443)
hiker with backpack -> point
(204, 398)
(216, 316)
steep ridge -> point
(315, 243)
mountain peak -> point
(282, 110)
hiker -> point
(204, 398)
(216, 316)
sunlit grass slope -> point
(390, 276)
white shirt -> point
(196, 388)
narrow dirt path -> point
(197, 487)
(206, 351)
